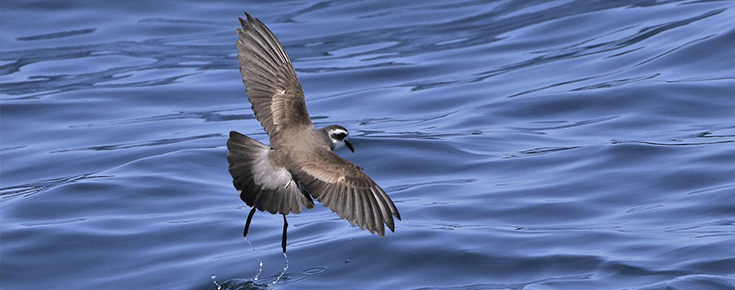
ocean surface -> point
(527, 144)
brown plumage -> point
(299, 163)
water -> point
(527, 144)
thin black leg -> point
(283, 241)
(247, 224)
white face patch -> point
(338, 137)
(337, 132)
(337, 144)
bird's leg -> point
(247, 224)
(283, 241)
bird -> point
(299, 164)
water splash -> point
(215, 282)
(285, 267)
(260, 262)
(260, 266)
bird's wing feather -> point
(273, 89)
(343, 187)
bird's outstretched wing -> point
(272, 86)
(343, 187)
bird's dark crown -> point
(336, 132)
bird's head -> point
(338, 137)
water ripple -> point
(27, 190)
(57, 34)
(150, 143)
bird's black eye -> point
(339, 135)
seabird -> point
(300, 163)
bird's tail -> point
(259, 182)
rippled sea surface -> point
(527, 144)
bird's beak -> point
(349, 145)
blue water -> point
(527, 144)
